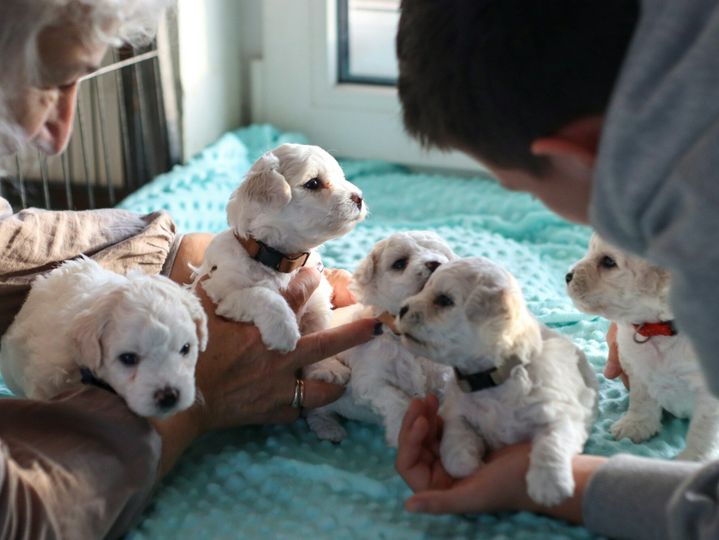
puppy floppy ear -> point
(365, 271)
(174, 292)
(488, 301)
(87, 327)
(264, 184)
(194, 308)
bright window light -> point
(366, 30)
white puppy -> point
(138, 334)
(515, 380)
(663, 370)
(293, 199)
(385, 375)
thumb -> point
(613, 369)
(301, 287)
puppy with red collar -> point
(658, 359)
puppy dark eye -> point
(400, 264)
(185, 349)
(607, 262)
(129, 359)
(443, 301)
(313, 184)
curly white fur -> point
(471, 315)
(663, 372)
(385, 375)
(80, 315)
(280, 205)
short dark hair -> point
(491, 76)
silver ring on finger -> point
(298, 399)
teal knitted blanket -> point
(280, 481)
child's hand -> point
(418, 460)
(613, 369)
(500, 485)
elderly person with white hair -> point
(82, 465)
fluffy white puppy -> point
(293, 199)
(385, 375)
(661, 365)
(515, 380)
(136, 333)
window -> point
(365, 40)
(302, 84)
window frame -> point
(344, 51)
(296, 88)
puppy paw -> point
(281, 337)
(549, 486)
(326, 427)
(460, 460)
(330, 370)
(634, 427)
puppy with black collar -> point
(663, 370)
(293, 199)
(515, 380)
(385, 376)
(137, 335)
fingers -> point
(613, 369)
(301, 287)
(320, 393)
(340, 280)
(320, 345)
(459, 499)
(410, 448)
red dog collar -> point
(662, 328)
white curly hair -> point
(21, 21)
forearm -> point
(176, 433)
(629, 497)
(80, 466)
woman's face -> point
(45, 113)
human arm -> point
(622, 497)
(79, 466)
(613, 368)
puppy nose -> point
(357, 199)
(432, 265)
(568, 277)
(403, 311)
(167, 397)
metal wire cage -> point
(125, 133)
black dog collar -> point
(270, 257)
(489, 378)
(88, 377)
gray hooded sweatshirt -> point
(656, 194)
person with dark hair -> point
(608, 111)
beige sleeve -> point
(34, 241)
(81, 466)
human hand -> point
(500, 485)
(239, 381)
(242, 382)
(340, 280)
(613, 368)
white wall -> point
(210, 44)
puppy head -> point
(398, 267)
(294, 198)
(619, 286)
(142, 339)
(471, 314)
